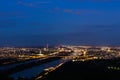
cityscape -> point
(59, 39)
(49, 63)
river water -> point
(31, 72)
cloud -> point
(42, 2)
(25, 4)
(59, 10)
(75, 11)
(71, 11)
(31, 4)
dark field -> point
(88, 70)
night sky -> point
(53, 22)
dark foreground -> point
(87, 70)
(4, 74)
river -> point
(31, 72)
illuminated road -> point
(49, 70)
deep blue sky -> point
(38, 22)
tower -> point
(40, 52)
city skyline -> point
(74, 22)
